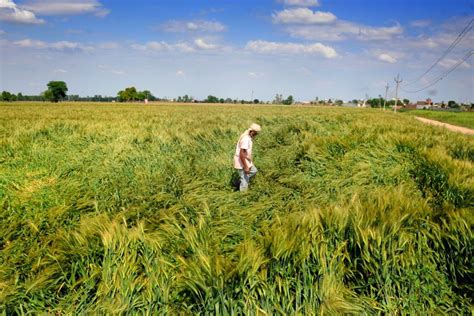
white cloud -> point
(61, 45)
(448, 63)
(66, 7)
(300, 3)
(183, 47)
(343, 30)
(29, 43)
(424, 43)
(199, 44)
(60, 71)
(387, 58)
(117, 72)
(260, 46)
(193, 26)
(202, 44)
(10, 12)
(420, 23)
(303, 16)
(254, 74)
(180, 73)
(163, 47)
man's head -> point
(254, 130)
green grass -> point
(465, 119)
(127, 208)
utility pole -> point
(385, 100)
(251, 99)
(397, 81)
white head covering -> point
(255, 127)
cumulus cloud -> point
(260, 46)
(303, 16)
(10, 12)
(300, 3)
(66, 7)
(387, 58)
(202, 44)
(180, 73)
(193, 26)
(343, 30)
(61, 45)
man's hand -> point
(246, 170)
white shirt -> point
(244, 143)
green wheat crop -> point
(129, 208)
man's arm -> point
(243, 157)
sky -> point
(242, 49)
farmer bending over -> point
(243, 156)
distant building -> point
(427, 104)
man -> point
(243, 156)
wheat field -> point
(129, 208)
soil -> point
(454, 128)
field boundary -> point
(454, 128)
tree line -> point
(57, 91)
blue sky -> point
(346, 49)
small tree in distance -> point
(289, 100)
(56, 91)
(129, 94)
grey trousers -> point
(245, 178)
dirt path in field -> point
(453, 128)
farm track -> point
(454, 128)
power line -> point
(444, 75)
(460, 36)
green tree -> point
(6, 96)
(48, 95)
(129, 94)
(212, 99)
(56, 91)
(406, 101)
(452, 104)
(288, 100)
